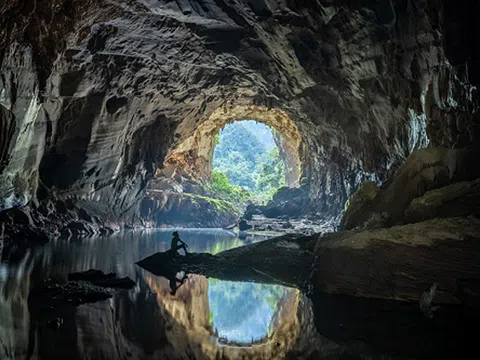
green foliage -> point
(220, 205)
(221, 187)
(237, 153)
(210, 319)
(246, 156)
(271, 176)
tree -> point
(245, 156)
(271, 175)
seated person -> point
(175, 244)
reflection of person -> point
(175, 247)
(173, 283)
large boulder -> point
(403, 262)
(424, 170)
(287, 202)
(359, 208)
(460, 199)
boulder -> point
(424, 170)
(243, 225)
(403, 262)
(188, 210)
(252, 209)
(360, 206)
(460, 199)
(287, 202)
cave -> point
(179, 194)
(110, 111)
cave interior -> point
(110, 114)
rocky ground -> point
(284, 260)
(84, 287)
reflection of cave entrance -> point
(247, 313)
(249, 155)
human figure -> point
(173, 280)
(175, 247)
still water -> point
(206, 318)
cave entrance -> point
(247, 156)
(183, 192)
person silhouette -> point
(175, 246)
(174, 282)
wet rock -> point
(243, 225)
(287, 202)
(99, 278)
(73, 293)
(252, 209)
(285, 260)
(39, 223)
(84, 287)
(302, 225)
(79, 226)
(167, 208)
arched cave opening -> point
(191, 190)
(108, 120)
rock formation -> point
(424, 170)
(99, 99)
(96, 96)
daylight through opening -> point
(247, 157)
(236, 157)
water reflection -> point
(148, 322)
(205, 318)
(243, 312)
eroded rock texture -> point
(95, 95)
(424, 170)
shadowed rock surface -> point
(401, 262)
(84, 287)
(424, 170)
(459, 199)
(110, 92)
(284, 260)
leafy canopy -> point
(246, 157)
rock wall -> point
(102, 92)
